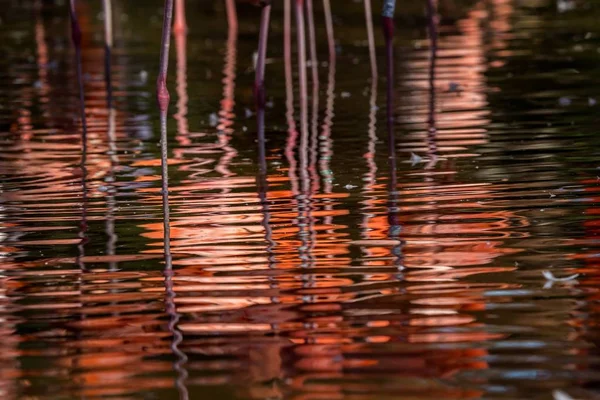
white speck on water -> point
(349, 186)
(549, 276)
(592, 101)
(345, 95)
(415, 159)
(213, 119)
(254, 60)
(560, 395)
(248, 112)
(565, 5)
(143, 76)
(564, 101)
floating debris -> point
(454, 87)
(415, 159)
(565, 5)
(592, 101)
(560, 395)
(549, 276)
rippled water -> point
(330, 277)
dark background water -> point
(335, 279)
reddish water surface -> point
(332, 275)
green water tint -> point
(312, 280)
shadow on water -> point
(330, 252)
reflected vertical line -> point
(259, 93)
(181, 357)
(76, 38)
(371, 175)
(394, 226)
(263, 185)
(326, 148)
(303, 198)
(289, 96)
(111, 133)
(227, 104)
(112, 190)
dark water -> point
(331, 277)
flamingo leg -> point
(163, 102)
(259, 82)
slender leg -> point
(302, 65)
(259, 83)
(329, 29)
(314, 67)
(163, 103)
(76, 37)
(431, 123)
(289, 96)
(370, 155)
(371, 38)
(388, 32)
(182, 95)
(108, 44)
(180, 25)
(326, 147)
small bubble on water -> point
(564, 101)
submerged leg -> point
(163, 102)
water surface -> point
(332, 275)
